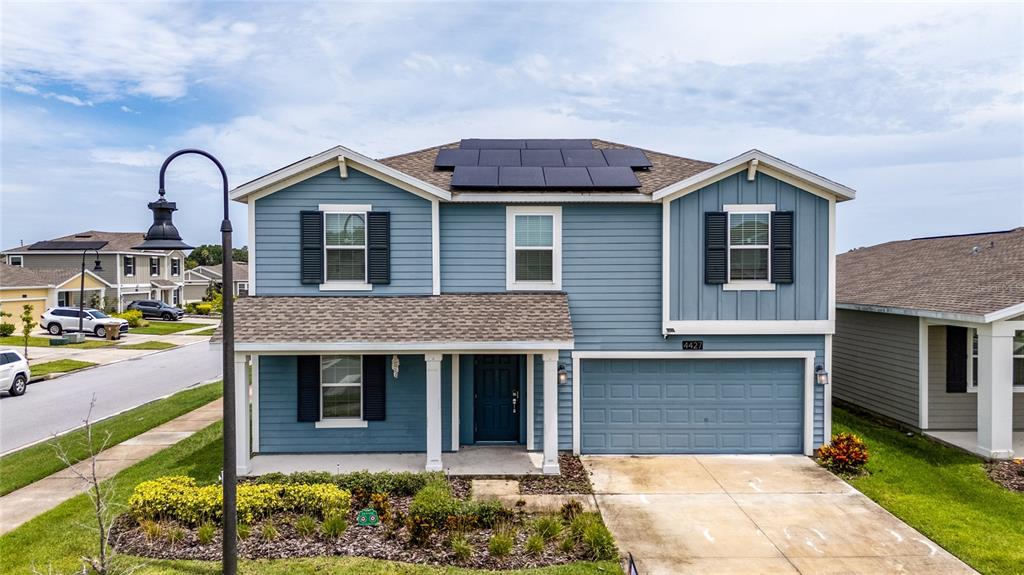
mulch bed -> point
(574, 478)
(1009, 474)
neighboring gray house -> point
(547, 294)
(930, 333)
(132, 274)
(200, 278)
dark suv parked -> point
(154, 308)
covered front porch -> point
(968, 440)
(468, 460)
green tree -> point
(27, 323)
(213, 254)
(240, 255)
(6, 328)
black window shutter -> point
(956, 359)
(374, 383)
(311, 245)
(378, 245)
(308, 387)
(716, 247)
(782, 247)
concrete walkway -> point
(753, 514)
(22, 505)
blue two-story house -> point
(553, 294)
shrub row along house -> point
(930, 333)
(128, 274)
(552, 294)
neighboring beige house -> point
(131, 274)
(45, 288)
(200, 278)
(930, 333)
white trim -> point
(740, 327)
(242, 414)
(831, 259)
(767, 164)
(827, 419)
(940, 315)
(530, 369)
(338, 423)
(560, 197)
(753, 285)
(342, 167)
(26, 252)
(748, 208)
(326, 160)
(346, 286)
(666, 262)
(433, 406)
(922, 373)
(550, 460)
(749, 285)
(21, 260)
(511, 212)
(807, 356)
(752, 170)
(1005, 313)
(345, 208)
(286, 348)
(252, 246)
(255, 362)
(435, 246)
(455, 401)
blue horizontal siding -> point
(472, 248)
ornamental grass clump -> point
(305, 526)
(846, 454)
(548, 527)
(501, 542)
(205, 533)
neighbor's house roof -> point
(976, 277)
(20, 277)
(116, 242)
(495, 321)
(239, 269)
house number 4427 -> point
(693, 345)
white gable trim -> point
(990, 317)
(87, 272)
(767, 164)
(335, 158)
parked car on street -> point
(14, 372)
(157, 308)
(58, 320)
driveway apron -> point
(724, 514)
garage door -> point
(691, 406)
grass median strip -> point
(164, 327)
(942, 492)
(33, 341)
(59, 366)
(147, 345)
(38, 461)
(207, 331)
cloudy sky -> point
(920, 107)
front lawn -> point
(147, 345)
(59, 366)
(165, 327)
(942, 492)
(18, 342)
(36, 462)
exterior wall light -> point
(563, 376)
(395, 365)
(820, 375)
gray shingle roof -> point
(973, 274)
(475, 318)
(17, 276)
(116, 241)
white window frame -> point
(336, 422)
(240, 286)
(740, 285)
(20, 259)
(511, 212)
(173, 262)
(151, 260)
(972, 360)
(124, 262)
(352, 209)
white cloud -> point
(131, 158)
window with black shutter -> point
(311, 246)
(782, 247)
(374, 387)
(308, 388)
(715, 247)
(378, 246)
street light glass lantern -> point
(97, 267)
(162, 235)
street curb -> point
(50, 376)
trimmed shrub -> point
(6, 329)
(847, 453)
(430, 509)
(363, 483)
(203, 309)
(132, 316)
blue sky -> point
(919, 106)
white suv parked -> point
(57, 320)
(14, 372)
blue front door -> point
(496, 397)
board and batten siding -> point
(875, 363)
(805, 299)
(954, 411)
(277, 233)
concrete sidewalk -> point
(22, 505)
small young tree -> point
(27, 323)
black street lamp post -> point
(81, 285)
(162, 235)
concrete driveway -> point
(753, 514)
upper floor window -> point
(175, 267)
(341, 387)
(154, 266)
(16, 260)
(534, 248)
(749, 250)
(345, 246)
(129, 265)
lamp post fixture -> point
(81, 285)
(162, 235)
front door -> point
(496, 397)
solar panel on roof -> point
(629, 157)
(68, 245)
(567, 178)
(475, 176)
(561, 144)
(542, 157)
(518, 177)
(583, 158)
(499, 158)
(449, 158)
(481, 144)
(613, 177)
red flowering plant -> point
(847, 454)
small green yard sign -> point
(367, 518)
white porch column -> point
(241, 415)
(995, 391)
(433, 411)
(551, 412)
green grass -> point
(208, 331)
(942, 492)
(164, 327)
(16, 341)
(33, 463)
(147, 345)
(57, 538)
(59, 366)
